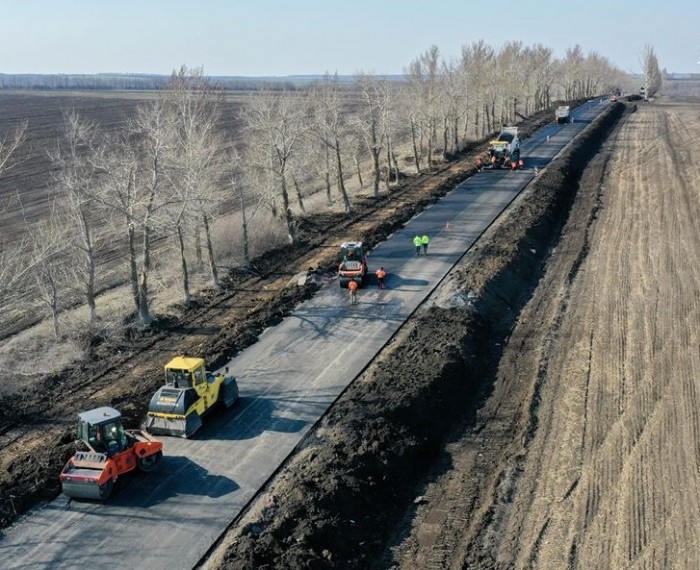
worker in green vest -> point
(425, 240)
(417, 242)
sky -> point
(310, 37)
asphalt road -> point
(288, 379)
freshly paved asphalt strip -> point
(288, 379)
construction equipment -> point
(562, 114)
(504, 149)
(113, 451)
(352, 263)
(189, 391)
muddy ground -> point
(543, 411)
(349, 497)
(36, 423)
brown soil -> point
(36, 422)
(407, 463)
(543, 412)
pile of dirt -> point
(344, 497)
(36, 423)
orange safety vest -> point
(381, 274)
(352, 286)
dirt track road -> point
(599, 384)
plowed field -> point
(592, 433)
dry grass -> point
(37, 351)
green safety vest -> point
(417, 241)
(425, 240)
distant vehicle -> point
(563, 114)
(504, 149)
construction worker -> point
(381, 275)
(352, 287)
(514, 165)
(479, 164)
(494, 160)
(425, 240)
(417, 242)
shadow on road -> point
(183, 477)
(254, 415)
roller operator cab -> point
(189, 392)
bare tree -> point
(195, 105)
(75, 181)
(248, 203)
(369, 124)
(330, 124)
(477, 64)
(388, 125)
(651, 71)
(276, 125)
(121, 192)
(153, 128)
(15, 272)
(9, 145)
(48, 265)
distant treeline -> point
(102, 81)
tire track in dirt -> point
(628, 408)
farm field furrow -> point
(589, 444)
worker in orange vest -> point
(381, 275)
(479, 164)
(352, 286)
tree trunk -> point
(297, 190)
(377, 172)
(430, 153)
(288, 219)
(144, 301)
(144, 310)
(359, 173)
(445, 136)
(89, 266)
(455, 127)
(341, 183)
(210, 252)
(199, 258)
(52, 291)
(183, 266)
(246, 239)
(396, 166)
(329, 200)
(415, 146)
(133, 271)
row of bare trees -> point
(165, 175)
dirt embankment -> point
(350, 492)
(36, 423)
